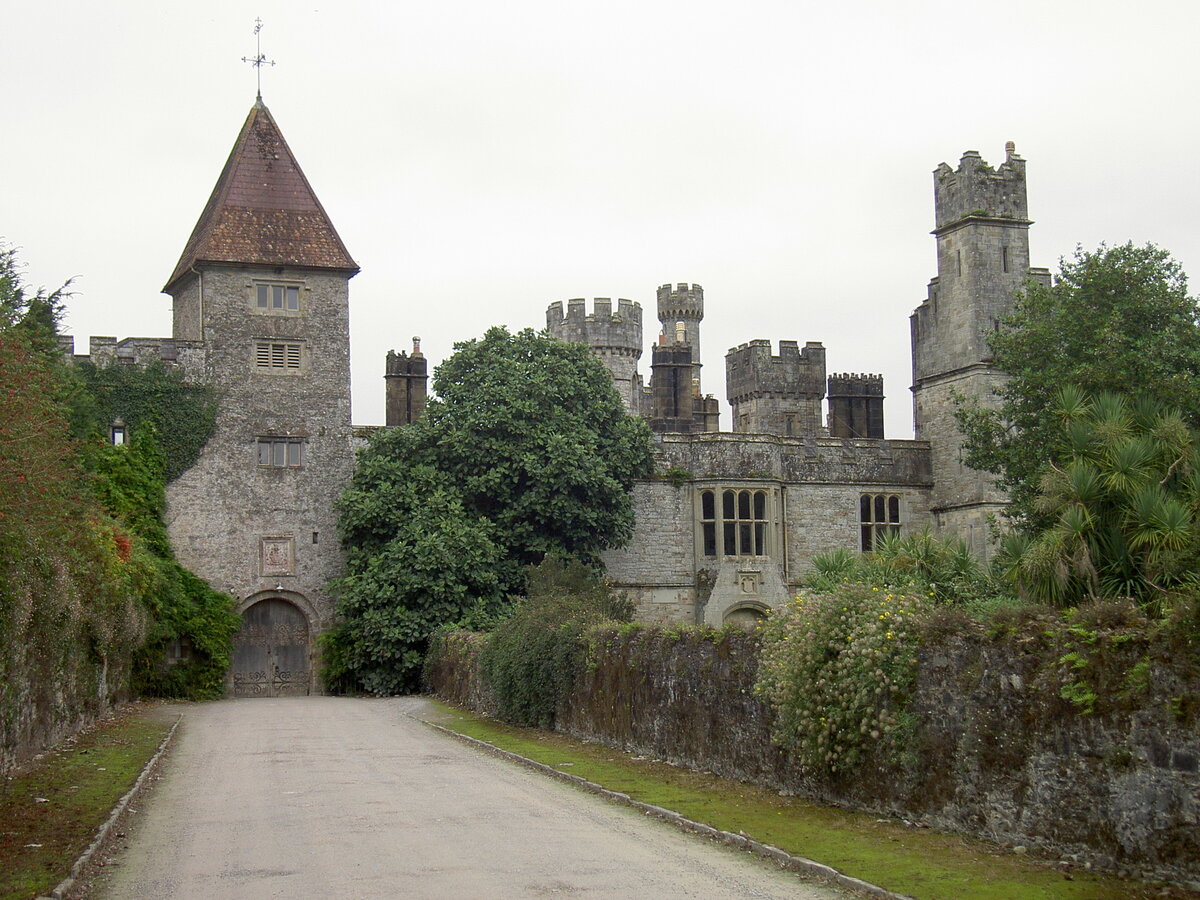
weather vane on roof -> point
(258, 60)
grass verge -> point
(49, 814)
(919, 862)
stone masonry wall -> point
(958, 489)
(657, 569)
(814, 485)
(997, 753)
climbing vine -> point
(184, 612)
(181, 413)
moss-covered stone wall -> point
(997, 749)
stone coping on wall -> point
(808, 460)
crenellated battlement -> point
(751, 369)
(602, 329)
(105, 351)
(681, 301)
(614, 337)
(976, 190)
(855, 384)
(776, 394)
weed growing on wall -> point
(838, 667)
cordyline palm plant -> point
(1122, 496)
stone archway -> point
(747, 615)
(271, 651)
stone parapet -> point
(809, 460)
(977, 190)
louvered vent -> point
(277, 357)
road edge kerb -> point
(742, 841)
(102, 833)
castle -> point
(261, 312)
(728, 535)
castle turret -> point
(615, 338)
(776, 394)
(682, 303)
(856, 406)
(982, 258)
(406, 379)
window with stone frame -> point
(735, 522)
(276, 298)
(278, 356)
(281, 452)
(878, 514)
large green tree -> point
(1116, 320)
(525, 450)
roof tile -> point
(263, 210)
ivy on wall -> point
(70, 617)
(181, 414)
(185, 614)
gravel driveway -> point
(322, 797)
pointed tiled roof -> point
(263, 210)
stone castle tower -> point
(673, 401)
(261, 312)
(776, 394)
(982, 231)
(614, 337)
(682, 303)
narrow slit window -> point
(708, 522)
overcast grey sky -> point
(483, 159)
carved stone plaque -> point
(277, 556)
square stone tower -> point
(261, 313)
(982, 233)
(776, 394)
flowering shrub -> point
(837, 667)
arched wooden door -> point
(270, 651)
